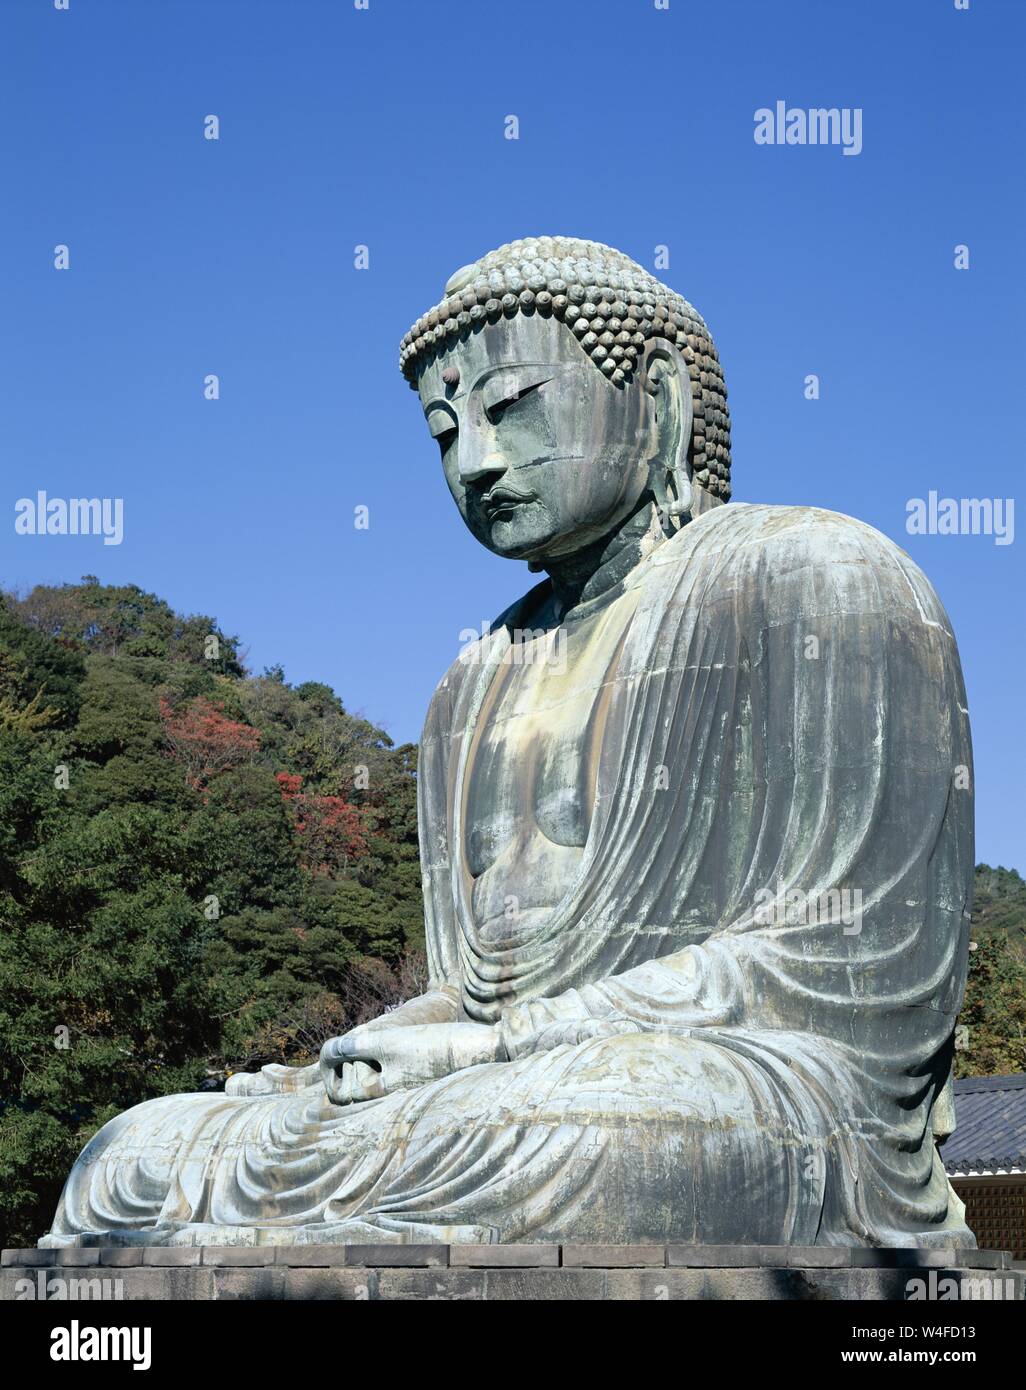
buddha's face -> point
(542, 454)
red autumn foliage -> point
(204, 741)
(329, 829)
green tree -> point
(992, 1037)
(158, 929)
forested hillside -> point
(999, 905)
(202, 870)
(992, 1038)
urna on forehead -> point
(612, 306)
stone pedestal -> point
(497, 1272)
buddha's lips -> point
(503, 500)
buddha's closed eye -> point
(445, 438)
(495, 410)
(443, 428)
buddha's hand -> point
(272, 1080)
(369, 1062)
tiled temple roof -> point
(990, 1133)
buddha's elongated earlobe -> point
(674, 494)
(666, 380)
(683, 493)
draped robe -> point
(702, 1043)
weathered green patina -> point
(696, 833)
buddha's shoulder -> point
(772, 560)
(753, 533)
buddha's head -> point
(567, 388)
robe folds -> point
(736, 1024)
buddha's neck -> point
(591, 572)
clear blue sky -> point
(385, 127)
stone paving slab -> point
(614, 1256)
(504, 1256)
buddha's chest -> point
(530, 787)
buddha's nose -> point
(475, 465)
